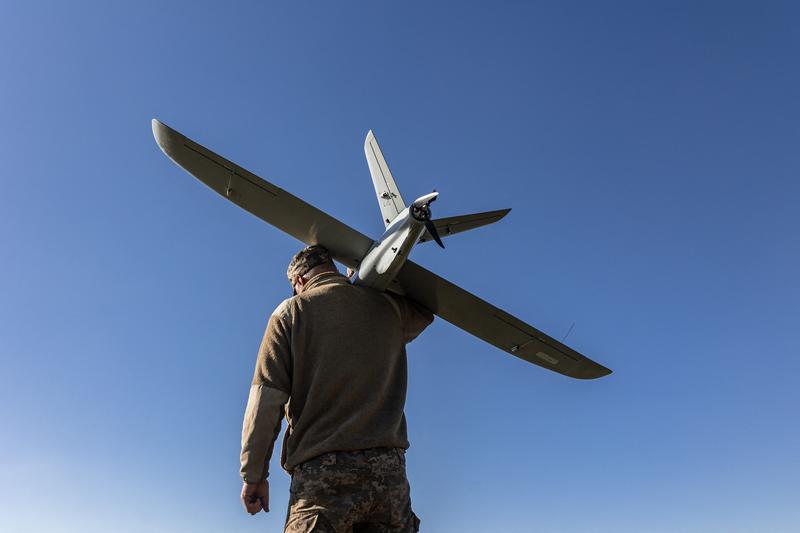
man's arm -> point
(265, 408)
(414, 317)
(262, 423)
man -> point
(333, 360)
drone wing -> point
(263, 199)
(491, 324)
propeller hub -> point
(421, 211)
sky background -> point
(649, 151)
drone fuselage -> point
(386, 256)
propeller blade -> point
(431, 227)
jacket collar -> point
(326, 278)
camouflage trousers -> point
(363, 491)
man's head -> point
(306, 264)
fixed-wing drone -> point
(382, 264)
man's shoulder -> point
(283, 310)
(344, 298)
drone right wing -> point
(491, 324)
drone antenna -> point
(568, 332)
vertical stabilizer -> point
(389, 199)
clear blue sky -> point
(649, 151)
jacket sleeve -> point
(414, 317)
(269, 393)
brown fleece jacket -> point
(334, 359)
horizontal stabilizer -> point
(451, 225)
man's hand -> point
(255, 497)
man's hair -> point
(306, 259)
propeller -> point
(421, 210)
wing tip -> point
(595, 371)
(159, 131)
(165, 136)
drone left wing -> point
(491, 324)
(263, 199)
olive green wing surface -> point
(493, 325)
(263, 199)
